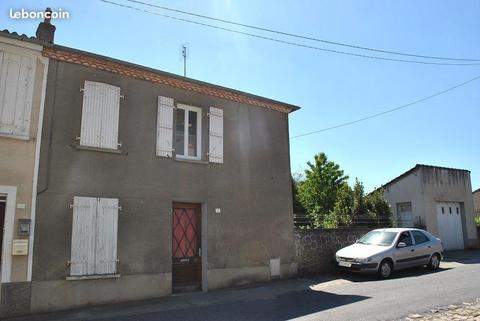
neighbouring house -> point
(476, 201)
(150, 183)
(437, 199)
(23, 72)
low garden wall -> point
(316, 248)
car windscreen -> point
(383, 238)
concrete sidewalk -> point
(291, 290)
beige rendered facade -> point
(22, 86)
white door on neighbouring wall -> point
(450, 229)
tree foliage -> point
(378, 207)
(325, 196)
(318, 192)
(342, 212)
(297, 205)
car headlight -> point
(363, 260)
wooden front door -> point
(186, 247)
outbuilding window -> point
(94, 236)
(405, 214)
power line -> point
(387, 111)
(288, 42)
(299, 36)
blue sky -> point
(330, 88)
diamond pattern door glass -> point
(185, 237)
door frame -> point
(11, 192)
(201, 238)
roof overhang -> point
(99, 62)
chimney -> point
(45, 30)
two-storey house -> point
(23, 72)
(150, 183)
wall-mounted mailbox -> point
(23, 227)
(20, 247)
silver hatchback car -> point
(384, 250)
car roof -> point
(398, 229)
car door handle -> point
(412, 250)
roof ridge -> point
(418, 166)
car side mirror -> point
(401, 244)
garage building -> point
(437, 199)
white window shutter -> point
(215, 153)
(82, 260)
(88, 131)
(165, 127)
(106, 236)
(16, 93)
(100, 115)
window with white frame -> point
(17, 75)
(100, 115)
(185, 135)
(94, 236)
(188, 132)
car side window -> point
(420, 237)
(405, 238)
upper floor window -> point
(100, 114)
(16, 93)
(179, 129)
(188, 132)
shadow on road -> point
(463, 257)
(402, 274)
(285, 306)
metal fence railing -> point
(302, 220)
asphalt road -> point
(338, 297)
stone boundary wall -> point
(315, 248)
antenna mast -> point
(184, 55)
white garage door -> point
(450, 225)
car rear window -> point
(383, 238)
(420, 237)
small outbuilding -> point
(437, 199)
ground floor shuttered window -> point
(94, 236)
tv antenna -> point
(184, 51)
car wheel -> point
(385, 269)
(434, 262)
